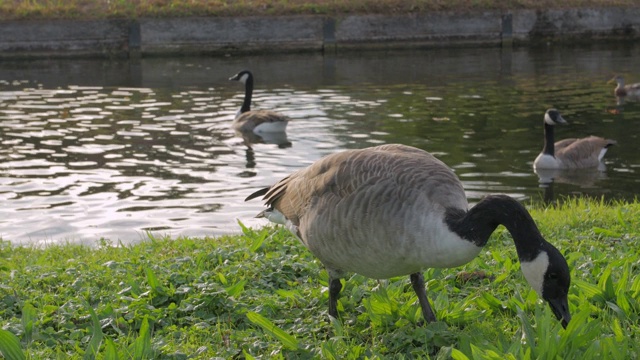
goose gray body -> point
(256, 121)
(569, 153)
(395, 210)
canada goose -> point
(257, 121)
(569, 153)
(396, 210)
(625, 90)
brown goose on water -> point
(569, 153)
(256, 121)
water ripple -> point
(78, 163)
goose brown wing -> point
(337, 177)
(559, 145)
(584, 152)
(249, 120)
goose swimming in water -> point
(569, 153)
(396, 210)
(256, 121)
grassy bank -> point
(91, 9)
(262, 295)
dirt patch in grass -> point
(97, 9)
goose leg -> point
(334, 290)
(417, 280)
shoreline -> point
(146, 37)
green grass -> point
(263, 295)
(86, 9)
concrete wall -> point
(197, 35)
(214, 35)
(55, 38)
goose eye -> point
(552, 276)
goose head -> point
(548, 274)
(552, 117)
(243, 76)
(246, 78)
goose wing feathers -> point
(354, 181)
(584, 152)
(249, 120)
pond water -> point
(95, 149)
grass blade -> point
(287, 340)
(528, 331)
(10, 346)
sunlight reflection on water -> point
(79, 162)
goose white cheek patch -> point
(534, 271)
(548, 120)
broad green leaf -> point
(606, 284)
(606, 232)
(458, 355)
(617, 330)
(338, 329)
(222, 278)
(258, 240)
(111, 353)
(156, 286)
(247, 356)
(621, 220)
(237, 288)
(10, 346)
(287, 340)
(590, 290)
(623, 303)
(492, 302)
(245, 230)
(29, 317)
(142, 345)
(96, 337)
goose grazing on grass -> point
(396, 210)
(256, 121)
(569, 153)
(625, 90)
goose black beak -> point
(560, 308)
(560, 120)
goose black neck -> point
(248, 91)
(549, 148)
(477, 224)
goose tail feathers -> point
(258, 193)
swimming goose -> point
(257, 121)
(396, 210)
(569, 153)
(625, 90)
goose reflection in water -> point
(277, 138)
(584, 178)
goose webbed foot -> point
(417, 280)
